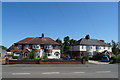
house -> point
(2, 52)
(44, 46)
(89, 47)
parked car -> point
(67, 57)
(105, 59)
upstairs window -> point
(98, 47)
(19, 46)
(26, 46)
(48, 46)
(36, 46)
(104, 47)
(82, 47)
(56, 47)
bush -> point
(15, 57)
(98, 56)
(118, 58)
(78, 58)
(54, 59)
(86, 58)
(32, 54)
(45, 57)
(25, 58)
(113, 59)
(38, 58)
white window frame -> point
(27, 46)
(36, 46)
(19, 46)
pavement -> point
(97, 62)
(60, 71)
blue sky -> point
(57, 20)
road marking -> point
(103, 71)
(51, 73)
(78, 72)
(21, 73)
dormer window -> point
(19, 46)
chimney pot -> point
(42, 35)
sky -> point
(59, 19)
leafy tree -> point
(66, 44)
(72, 41)
(3, 47)
(115, 48)
(102, 40)
(61, 45)
(32, 54)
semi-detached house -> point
(89, 47)
(44, 46)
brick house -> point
(44, 46)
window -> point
(82, 47)
(26, 46)
(56, 47)
(49, 54)
(19, 46)
(56, 54)
(98, 47)
(91, 47)
(25, 54)
(48, 46)
(104, 47)
(108, 48)
(36, 46)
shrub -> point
(15, 57)
(98, 56)
(45, 57)
(32, 55)
(38, 58)
(78, 58)
(113, 59)
(118, 58)
(25, 58)
(86, 58)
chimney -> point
(87, 37)
(42, 35)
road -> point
(60, 71)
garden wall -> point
(45, 62)
(23, 62)
(62, 62)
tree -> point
(3, 47)
(61, 45)
(66, 44)
(72, 41)
(32, 54)
(102, 40)
(115, 48)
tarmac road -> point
(60, 71)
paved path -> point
(60, 71)
(97, 62)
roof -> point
(37, 40)
(93, 42)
